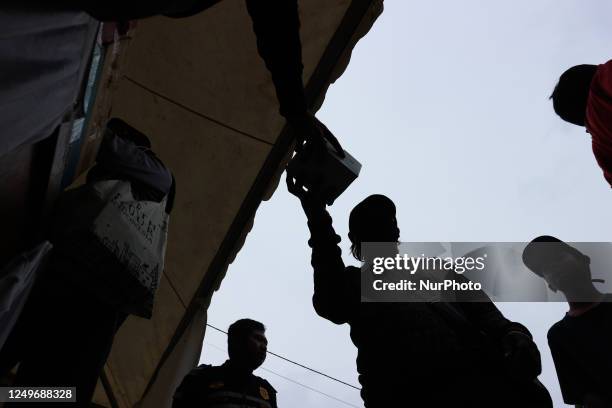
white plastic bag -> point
(135, 232)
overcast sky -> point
(445, 104)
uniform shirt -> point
(219, 386)
(599, 118)
(580, 347)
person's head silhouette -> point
(372, 220)
(571, 93)
(247, 344)
(562, 266)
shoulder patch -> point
(266, 384)
(263, 392)
(215, 385)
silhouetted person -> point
(411, 353)
(68, 324)
(583, 96)
(43, 45)
(231, 384)
(580, 342)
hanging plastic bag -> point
(117, 249)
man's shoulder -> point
(557, 330)
(198, 382)
(201, 378)
(605, 68)
(263, 389)
(206, 371)
(203, 368)
(264, 383)
(565, 331)
(352, 274)
(601, 79)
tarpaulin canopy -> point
(199, 90)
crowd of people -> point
(109, 237)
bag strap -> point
(457, 320)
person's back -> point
(401, 347)
(409, 352)
(380, 330)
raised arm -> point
(331, 298)
(277, 27)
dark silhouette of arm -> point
(330, 298)
(487, 317)
(521, 355)
(484, 315)
(277, 27)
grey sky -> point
(446, 105)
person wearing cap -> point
(580, 342)
(410, 353)
(583, 97)
(232, 384)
